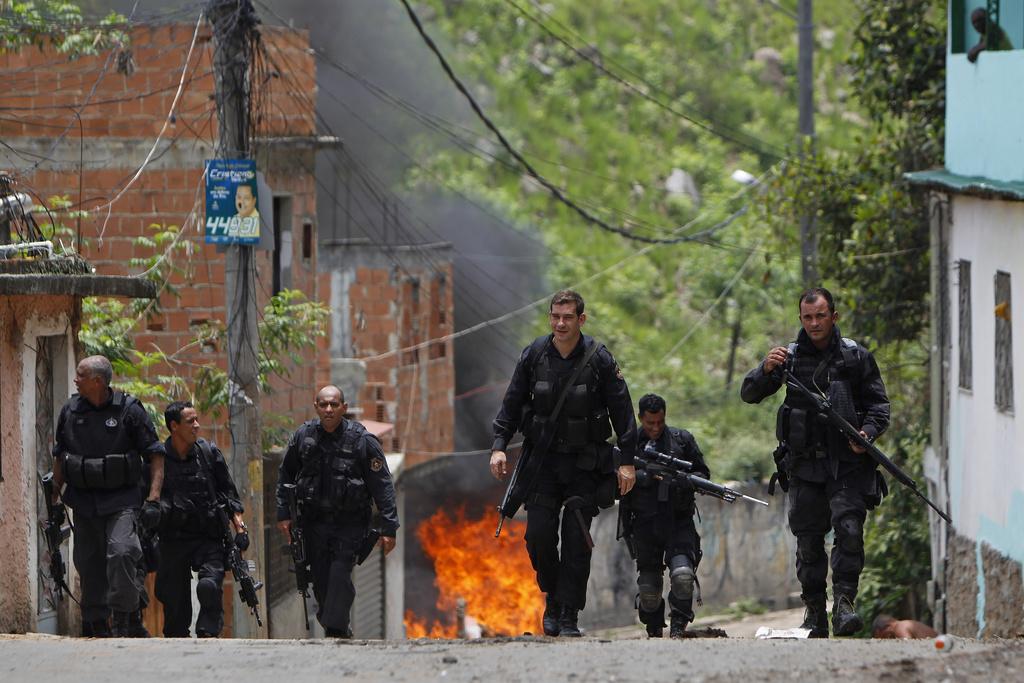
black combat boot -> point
(120, 626)
(845, 620)
(136, 629)
(338, 633)
(655, 630)
(96, 629)
(816, 617)
(552, 610)
(567, 623)
(677, 627)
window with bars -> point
(1004, 343)
(964, 340)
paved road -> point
(51, 659)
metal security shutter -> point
(368, 608)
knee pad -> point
(651, 585)
(850, 534)
(682, 579)
(208, 591)
(810, 550)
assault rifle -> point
(532, 455)
(297, 549)
(677, 471)
(824, 407)
(56, 532)
(516, 492)
(246, 585)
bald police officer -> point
(338, 469)
(102, 436)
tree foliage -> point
(723, 79)
(289, 326)
(873, 224)
(687, 321)
(60, 25)
(875, 244)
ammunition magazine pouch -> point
(604, 497)
(793, 425)
(781, 473)
(111, 471)
(596, 457)
(181, 514)
(877, 492)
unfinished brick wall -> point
(396, 309)
(111, 122)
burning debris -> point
(485, 585)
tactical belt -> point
(110, 471)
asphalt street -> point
(51, 659)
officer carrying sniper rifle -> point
(678, 472)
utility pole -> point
(805, 78)
(232, 21)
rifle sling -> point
(540, 449)
(206, 462)
(544, 442)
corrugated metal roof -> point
(940, 178)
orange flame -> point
(493, 575)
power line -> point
(732, 136)
(523, 309)
(551, 188)
(707, 312)
(377, 190)
(450, 129)
(163, 129)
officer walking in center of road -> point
(578, 472)
(658, 525)
(102, 436)
(831, 482)
(338, 469)
(196, 481)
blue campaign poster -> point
(232, 216)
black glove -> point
(59, 515)
(242, 540)
(150, 515)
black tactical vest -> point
(185, 495)
(584, 417)
(331, 477)
(798, 423)
(100, 452)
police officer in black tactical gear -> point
(831, 482)
(658, 524)
(339, 469)
(190, 529)
(102, 436)
(579, 473)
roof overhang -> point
(76, 285)
(943, 180)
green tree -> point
(289, 326)
(875, 245)
(60, 25)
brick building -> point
(81, 130)
(92, 135)
(392, 306)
